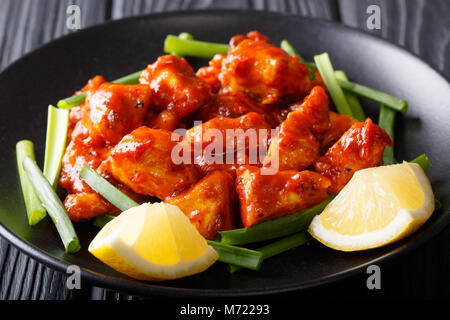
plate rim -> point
(154, 288)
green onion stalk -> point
(278, 247)
(51, 202)
(35, 211)
(328, 75)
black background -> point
(421, 26)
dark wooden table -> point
(421, 26)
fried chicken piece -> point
(205, 167)
(233, 105)
(264, 72)
(175, 86)
(253, 35)
(360, 147)
(249, 121)
(86, 205)
(265, 197)
(76, 113)
(82, 202)
(166, 120)
(80, 152)
(314, 111)
(142, 160)
(209, 204)
(225, 106)
(222, 141)
(296, 146)
(109, 113)
(93, 84)
(113, 110)
(340, 123)
(75, 116)
(210, 73)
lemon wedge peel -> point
(110, 247)
(404, 223)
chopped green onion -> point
(193, 48)
(423, 161)
(76, 100)
(102, 220)
(386, 121)
(186, 36)
(275, 228)
(106, 189)
(311, 65)
(279, 246)
(183, 36)
(352, 99)
(73, 101)
(53, 205)
(386, 99)
(129, 79)
(35, 211)
(326, 70)
(289, 48)
(57, 127)
(238, 256)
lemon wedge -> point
(378, 206)
(153, 242)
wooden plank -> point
(26, 25)
(326, 9)
(421, 26)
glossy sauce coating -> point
(82, 202)
(253, 35)
(80, 152)
(142, 160)
(209, 204)
(242, 138)
(296, 146)
(251, 121)
(239, 159)
(339, 124)
(264, 72)
(210, 73)
(360, 147)
(76, 113)
(175, 86)
(166, 120)
(265, 197)
(231, 105)
(87, 205)
(113, 110)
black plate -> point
(122, 47)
